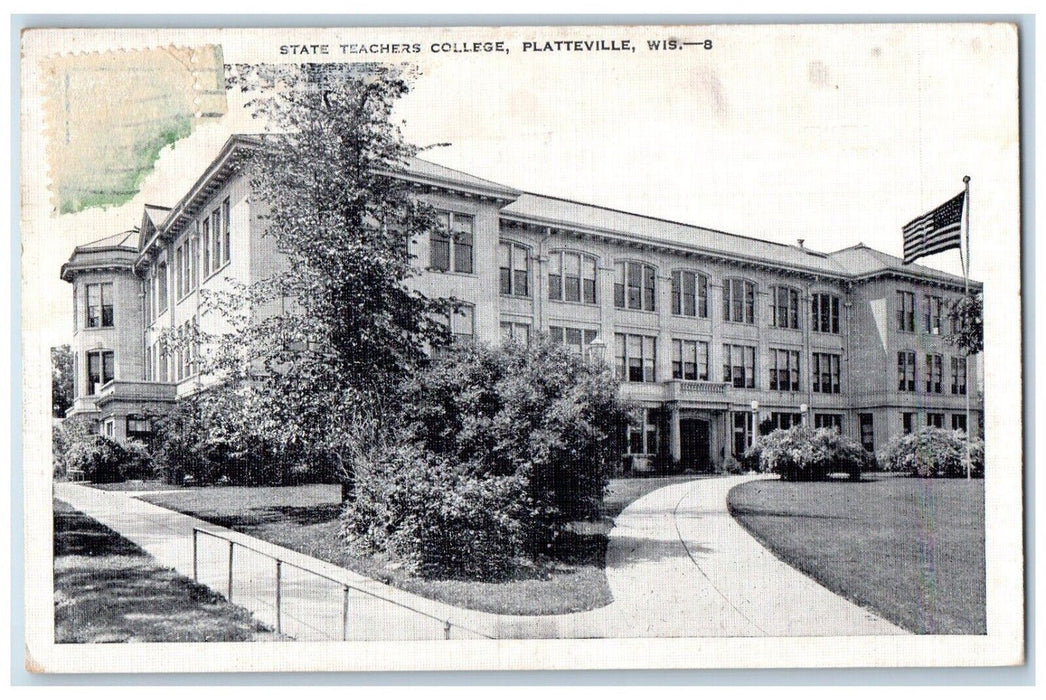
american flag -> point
(940, 229)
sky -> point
(837, 135)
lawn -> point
(912, 550)
(305, 519)
(106, 589)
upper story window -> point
(959, 375)
(100, 370)
(825, 373)
(690, 360)
(784, 370)
(933, 309)
(514, 269)
(934, 373)
(738, 301)
(450, 246)
(635, 286)
(906, 311)
(739, 366)
(906, 370)
(99, 305)
(689, 294)
(463, 322)
(824, 313)
(572, 277)
(179, 272)
(161, 286)
(635, 357)
(785, 307)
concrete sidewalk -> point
(678, 565)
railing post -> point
(345, 616)
(195, 555)
(446, 629)
(279, 595)
(229, 598)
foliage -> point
(104, 460)
(802, 453)
(61, 380)
(538, 411)
(732, 466)
(71, 431)
(335, 329)
(966, 316)
(437, 518)
(932, 452)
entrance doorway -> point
(694, 446)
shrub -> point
(732, 466)
(540, 413)
(933, 452)
(436, 518)
(64, 435)
(104, 460)
(806, 454)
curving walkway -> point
(678, 565)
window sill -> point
(686, 316)
(515, 296)
(635, 311)
(213, 274)
(434, 271)
(98, 328)
(591, 304)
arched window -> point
(738, 301)
(572, 277)
(635, 286)
(689, 294)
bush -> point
(539, 413)
(933, 452)
(64, 435)
(806, 454)
(438, 519)
(106, 461)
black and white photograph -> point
(512, 348)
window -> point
(826, 373)
(461, 226)
(824, 313)
(636, 357)
(179, 272)
(785, 307)
(193, 261)
(906, 370)
(959, 421)
(100, 370)
(784, 421)
(208, 243)
(162, 282)
(149, 364)
(739, 365)
(514, 332)
(867, 423)
(935, 420)
(784, 370)
(635, 286)
(689, 294)
(514, 267)
(690, 360)
(932, 312)
(743, 430)
(738, 301)
(577, 339)
(829, 420)
(572, 277)
(164, 361)
(138, 426)
(452, 241)
(643, 432)
(463, 322)
(959, 375)
(99, 305)
(908, 423)
(934, 373)
(215, 221)
(906, 312)
(225, 227)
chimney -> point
(801, 242)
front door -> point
(693, 444)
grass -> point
(107, 589)
(912, 550)
(305, 519)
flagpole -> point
(966, 359)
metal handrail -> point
(346, 587)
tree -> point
(966, 316)
(336, 330)
(61, 380)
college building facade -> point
(711, 334)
